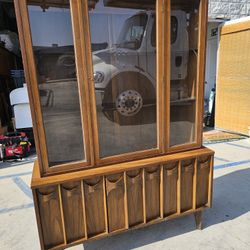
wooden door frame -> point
(200, 78)
(84, 66)
(23, 23)
(160, 17)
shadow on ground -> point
(231, 200)
(18, 162)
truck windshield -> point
(132, 32)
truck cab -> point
(133, 57)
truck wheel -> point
(129, 99)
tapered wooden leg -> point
(198, 219)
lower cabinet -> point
(77, 210)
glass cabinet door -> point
(53, 49)
(183, 82)
(123, 43)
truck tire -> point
(130, 99)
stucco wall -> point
(229, 9)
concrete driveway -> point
(226, 225)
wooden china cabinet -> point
(116, 93)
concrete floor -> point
(226, 225)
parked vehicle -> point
(126, 72)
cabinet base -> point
(91, 204)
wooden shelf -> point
(182, 102)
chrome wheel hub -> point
(129, 103)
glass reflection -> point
(123, 39)
(184, 51)
(53, 48)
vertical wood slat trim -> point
(84, 210)
(167, 71)
(179, 189)
(31, 79)
(195, 183)
(38, 219)
(144, 197)
(162, 191)
(210, 183)
(86, 46)
(76, 17)
(159, 74)
(91, 85)
(126, 200)
(202, 37)
(62, 214)
(105, 205)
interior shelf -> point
(184, 101)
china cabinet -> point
(116, 92)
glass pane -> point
(53, 48)
(184, 51)
(123, 37)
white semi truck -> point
(125, 73)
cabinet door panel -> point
(187, 171)
(135, 197)
(50, 215)
(203, 170)
(73, 211)
(124, 66)
(184, 67)
(58, 89)
(170, 177)
(115, 202)
(152, 192)
(95, 209)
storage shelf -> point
(183, 102)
